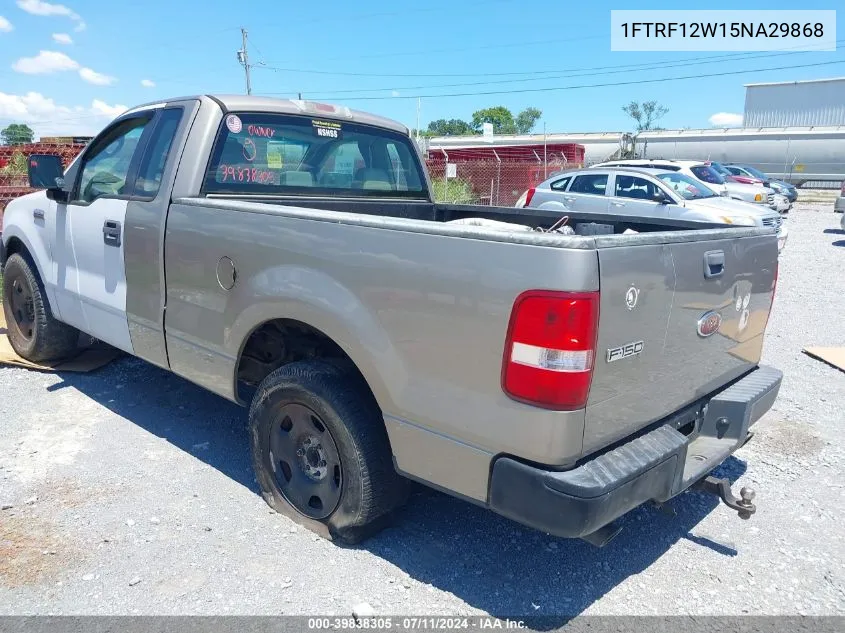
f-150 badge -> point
(624, 351)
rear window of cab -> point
(279, 154)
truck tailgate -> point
(677, 321)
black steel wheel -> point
(33, 332)
(305, 461)
(321, 452)
(21, 308)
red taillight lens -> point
(550, 348)
(529, 195)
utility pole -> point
(243, 58)
(419, 103)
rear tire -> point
(321, 453)
(32, 330)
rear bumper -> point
(655, 466)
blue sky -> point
(68, 67)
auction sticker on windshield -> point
(327, 129)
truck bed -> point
(365, 212)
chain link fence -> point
(13, 167)
(489, 181)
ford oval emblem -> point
(709, 323)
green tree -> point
(527, 119)
(452, 127)
(16, 134)
(645, 114)
(499, 116)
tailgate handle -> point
(714, 264)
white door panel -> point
(91, 276)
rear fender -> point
(318, 300)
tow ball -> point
(722, 489)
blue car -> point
(781, 187)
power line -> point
(728, 56)
(599, 85)
(581, 73)
(454, 50)
(402, 12)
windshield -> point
(719, 167)
(279, 154)
(707, 174)
(686, 187)
(756, 173)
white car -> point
(781, 203)
(702, 171)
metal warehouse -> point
(817, 102)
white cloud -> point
(62, 38)
(5, 25)
(47, 118)
(45, 62)
(93, 77)
(148, 83)
(726, 119)
(38, 7)
(106, 110)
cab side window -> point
(105, 167)
(152, 165)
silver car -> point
(706, 173)
(654, 193)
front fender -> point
(20, 225)
(320, 301)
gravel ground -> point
(131, 493)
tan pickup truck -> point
(288, 256)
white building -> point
(816, 102)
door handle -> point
(714, 264)
(111, 233)
(569, 198)
(38, 214)
(618, 204)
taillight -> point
(842, 191)
(550, 348)
(529, 194)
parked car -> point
(705, 173)
(776, 201)
(784, 188)
(839, 204)
(289, 256)
(657, 193)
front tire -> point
(32, 330)
(321, 453)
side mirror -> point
(45, 172)
(660, 198)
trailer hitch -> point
(722, 489)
